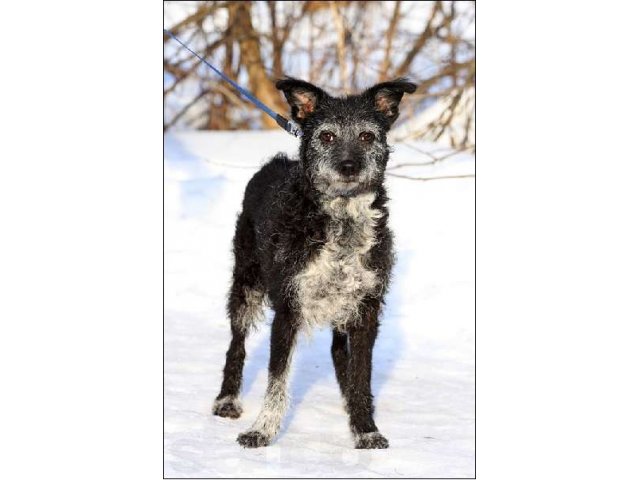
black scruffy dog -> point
(313, 239)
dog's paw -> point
(253, 439)
(371, 440)
(228, 407)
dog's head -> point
(344, 147)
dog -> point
(313, 241)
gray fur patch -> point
(252, 311)
(330, 289)
(371, 440)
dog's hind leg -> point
(340, 355)
(245, 308)
(266, 426)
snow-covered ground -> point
(423, 377)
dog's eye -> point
(327, 137)
(367, 137)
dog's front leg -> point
(266, 426)
(362, 337)
(340, 355)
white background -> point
(557, 240)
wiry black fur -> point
(282, 229)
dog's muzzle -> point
(349, 168)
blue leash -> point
(289, 125)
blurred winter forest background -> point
(341, 46)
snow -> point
(423, 377)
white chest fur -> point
(331, 287)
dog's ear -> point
(386, 97)
(302, 96)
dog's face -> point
(344, 147)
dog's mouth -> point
(348, 182)
(350, 179)
(340, 184)
(346, 186)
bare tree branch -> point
(420, 41)
(341, 48)
(391, 32)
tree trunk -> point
(259, 82)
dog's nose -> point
(349, 167)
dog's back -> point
(270, 179)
